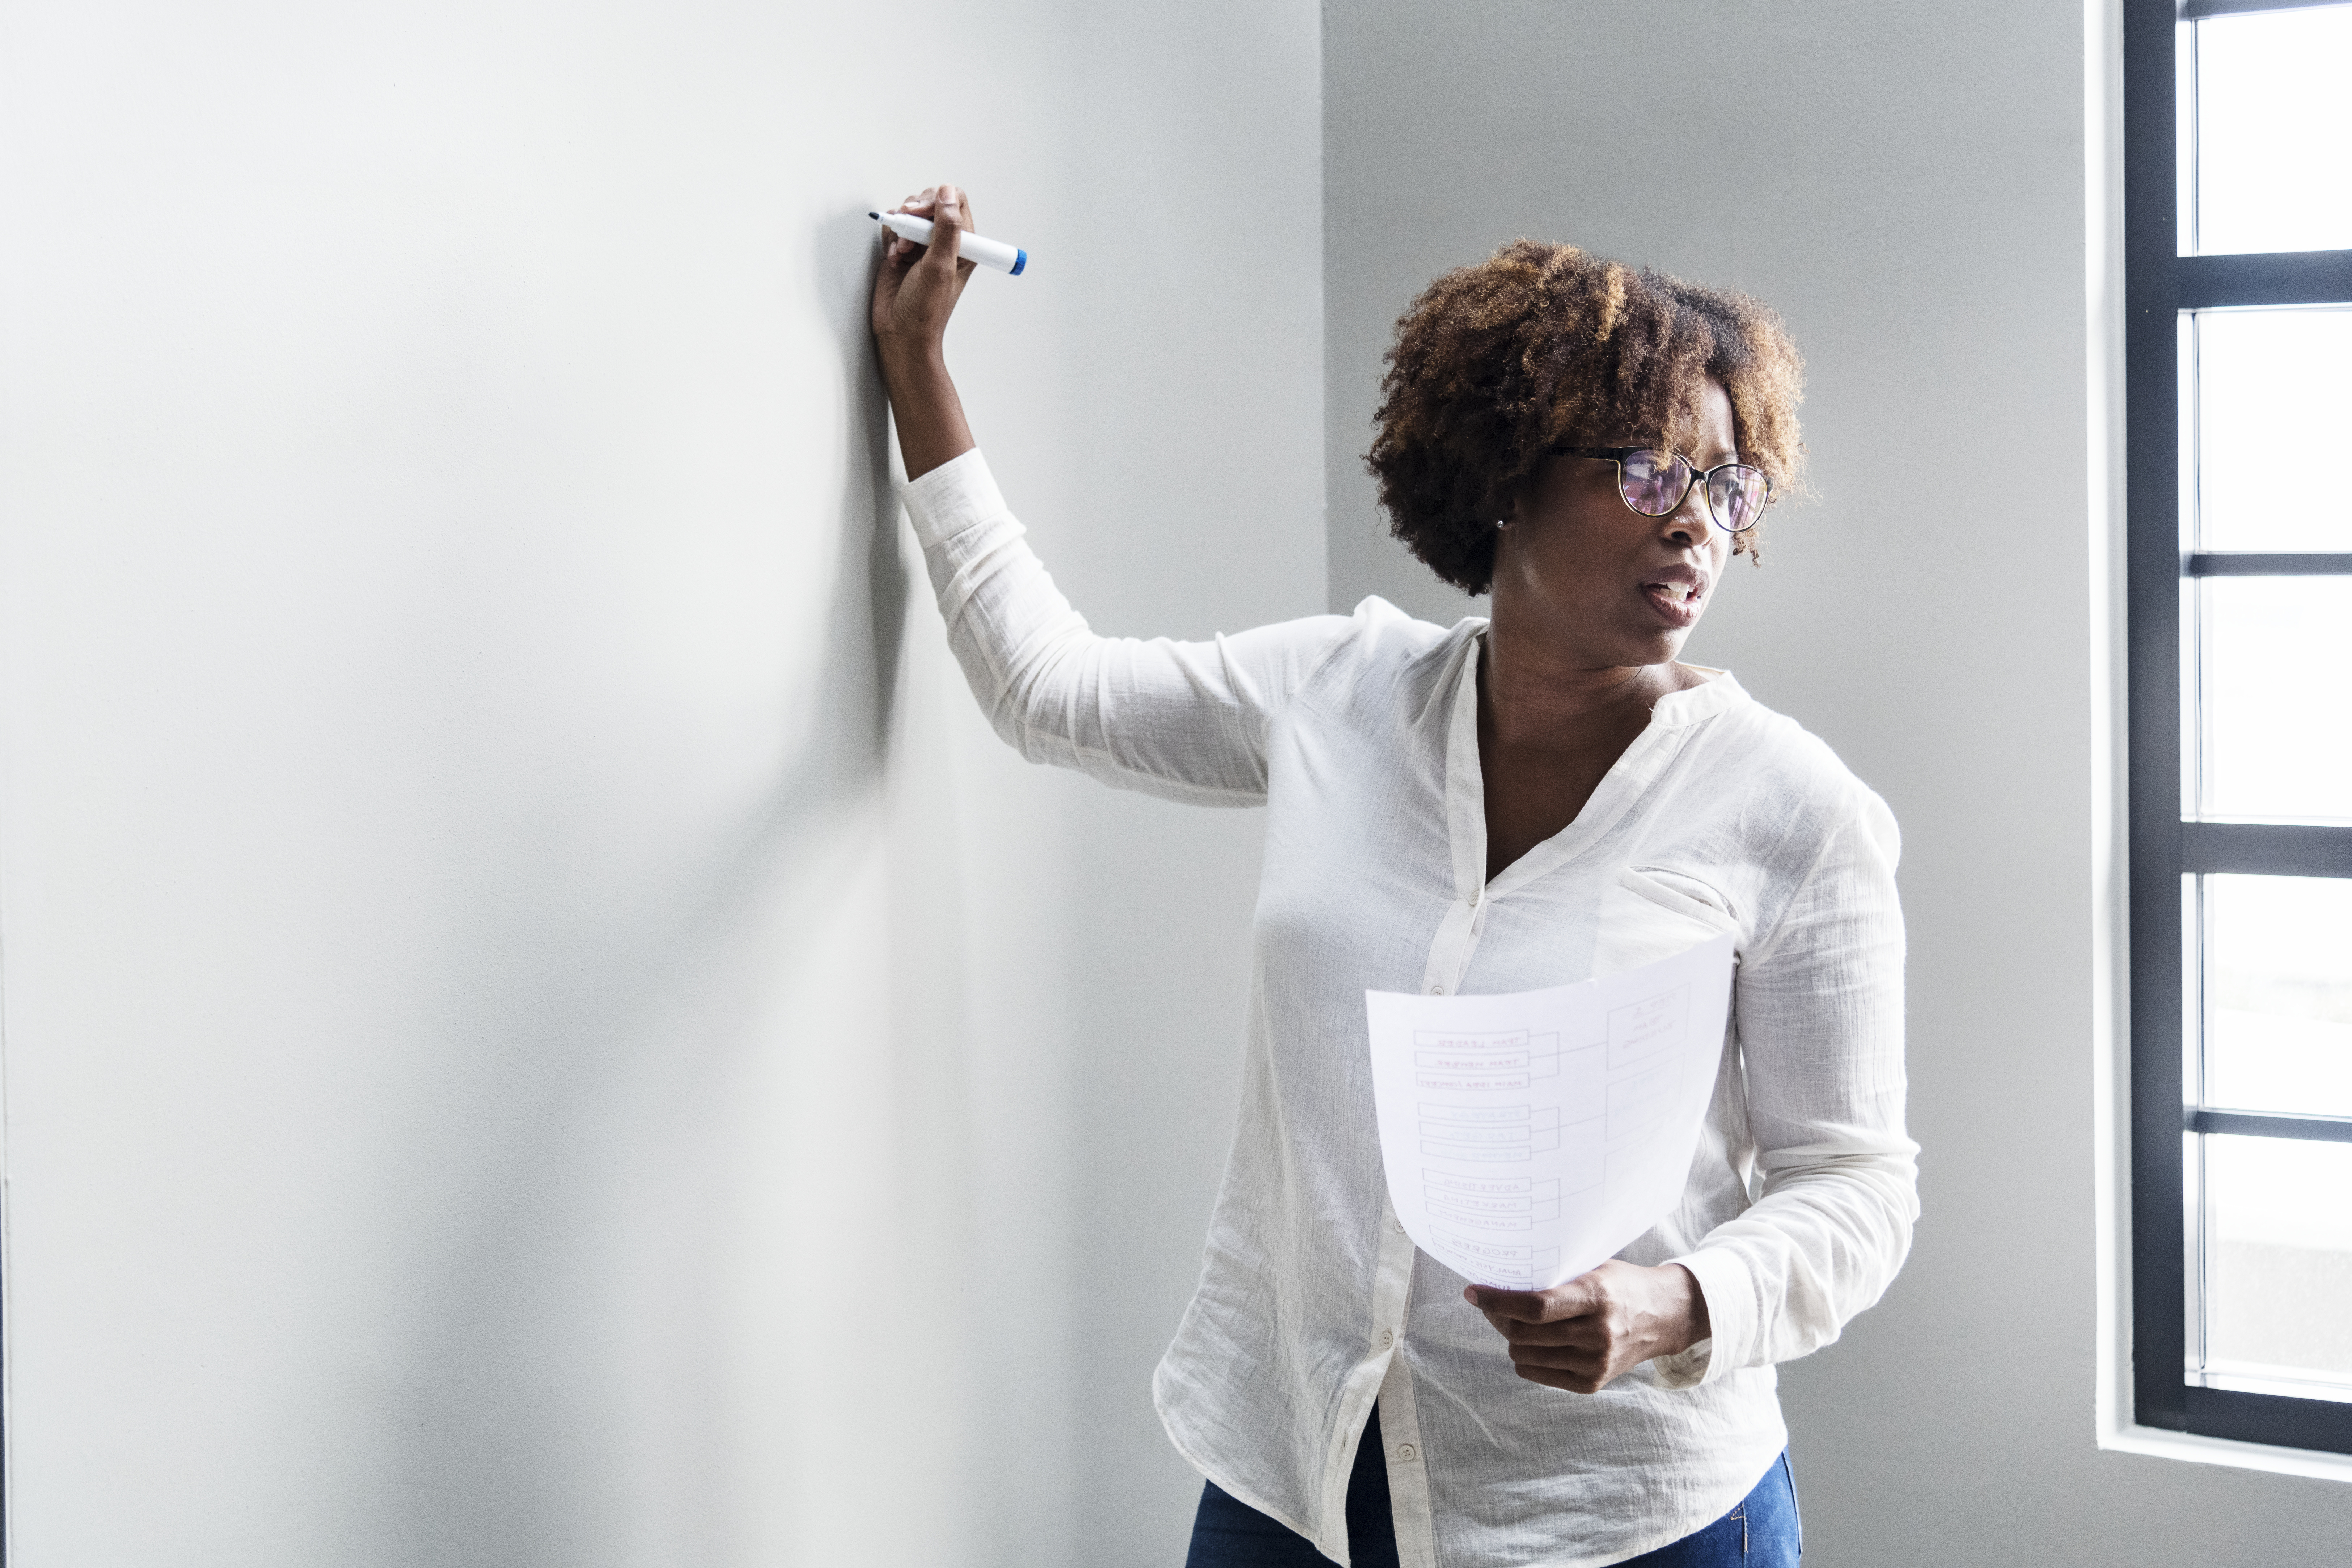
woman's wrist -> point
(908, 355)
(923, 402)
(1683, 1321)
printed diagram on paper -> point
(1530, 1136)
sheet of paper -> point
(1530, 1136)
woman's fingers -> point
(1574, 1368)
(1522, 1304)
(917, 205)
(941, 204)
(1589, 1332)
(1571, 1381)
(947, 233)
(899, 245)
(1585, 1293)
(950, 218)
(1558, 1358)
(1585, 1299)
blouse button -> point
(1388, 1337)
(1437, 991)
(1407, 1452)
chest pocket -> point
(1653, 912)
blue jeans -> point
(1761, 1532)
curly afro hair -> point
(1544, 345)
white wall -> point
(490, 858)
(1908, 185)
(488, 847)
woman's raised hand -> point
(914, 292)
(916, 287)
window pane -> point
(2278, 1258)
(2274, 141)
(2274, 428)
(2278, 996)
(2271, 668)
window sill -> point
(2306, 1463)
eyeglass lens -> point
(1736, 493)
(1653, 483)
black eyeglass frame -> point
(1698, 477)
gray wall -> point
(1165, 460)
(1907, 183)
(500, 885)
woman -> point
(1496, 806)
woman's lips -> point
(1677, 604)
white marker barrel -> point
(987, 252)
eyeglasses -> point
(1654, 482)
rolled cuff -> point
(960, 493)
(1723, 1280)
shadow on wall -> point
(602, 1179)
(847, 258)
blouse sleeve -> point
(1819, 1015)
(1184, 719)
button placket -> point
(1409, 1499)
(1465, 824)
(1391, 1288)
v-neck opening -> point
(1626, 780)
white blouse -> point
(1359, 734)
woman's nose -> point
(1687, 524)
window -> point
(2238, 221)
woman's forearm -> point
(924, 405)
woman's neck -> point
(1535, 695)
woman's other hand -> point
(1599, 1326)
(916, 287)
(914, 292)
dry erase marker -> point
(987, 252)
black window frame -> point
(2160, 284)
